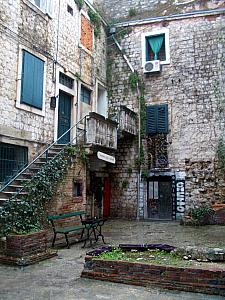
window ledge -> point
(38, 10)
(30, 109)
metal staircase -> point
(16, 186)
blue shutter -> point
(32, 80)
(162, 118)
(151, 119)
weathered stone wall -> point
(57, 39)
(192, 86)
(123, 202)
(139, 9)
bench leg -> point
(82, 233)
(67, 241)
(53, 242)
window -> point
(45, 5)
(32, 80)
(155, 46)
(69, 9)
(157, 119)
(12, 159)
(85, 95)
(66, 80)
(77, 189)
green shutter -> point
(162, 118)
(151, 119)
(32, 80)
(157, 119)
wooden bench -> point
(66, 230)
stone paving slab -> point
(59, 278)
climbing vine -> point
(26, 212)
(221, 155)
(79, 3)
(96, 21)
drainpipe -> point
(139, 121)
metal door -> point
(64, 117)
(159, 200)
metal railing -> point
(45, 152)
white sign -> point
(106, 157)
(180, 195)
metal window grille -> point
(66, 80)
(12, 159)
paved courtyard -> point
(59, 277)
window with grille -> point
(66, 80)
(13, 158)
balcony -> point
(127, 121)
(100, 131)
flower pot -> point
(26, 244)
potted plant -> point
(23, 218)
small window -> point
(77, 189)
(155, 46)
(32, 80)
(13, 159)
(85, 95)
(66, 80)
(157, 119)
(69, 9)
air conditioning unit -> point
(152, 66)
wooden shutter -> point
(151, 119)
(157, 119)
(32, 80)
(162, 118)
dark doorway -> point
(64, 117)
(159, 198)
(106, 198)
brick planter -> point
(26, 249)
(210, 281)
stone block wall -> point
(192, 86)
(56, 38)
(123, 200)
(139, 9)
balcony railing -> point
(127, 120)
(101, 131)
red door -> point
(106, 198)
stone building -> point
(176, 56)
(66, 77)
(53, 90)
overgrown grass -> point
(150, 257)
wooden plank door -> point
(64, 117)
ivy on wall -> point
(79, 3)
(221, 155)
(96, 21)
(26, 213)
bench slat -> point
(69, 229)
(67, 215)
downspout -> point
(139, 123)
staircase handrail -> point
(42, 153)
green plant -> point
(202, 215)
(96, 21)
(133, 81)
(129, 171)
(125, 184)
(132, 12)
(24, 214)
(79, 3)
